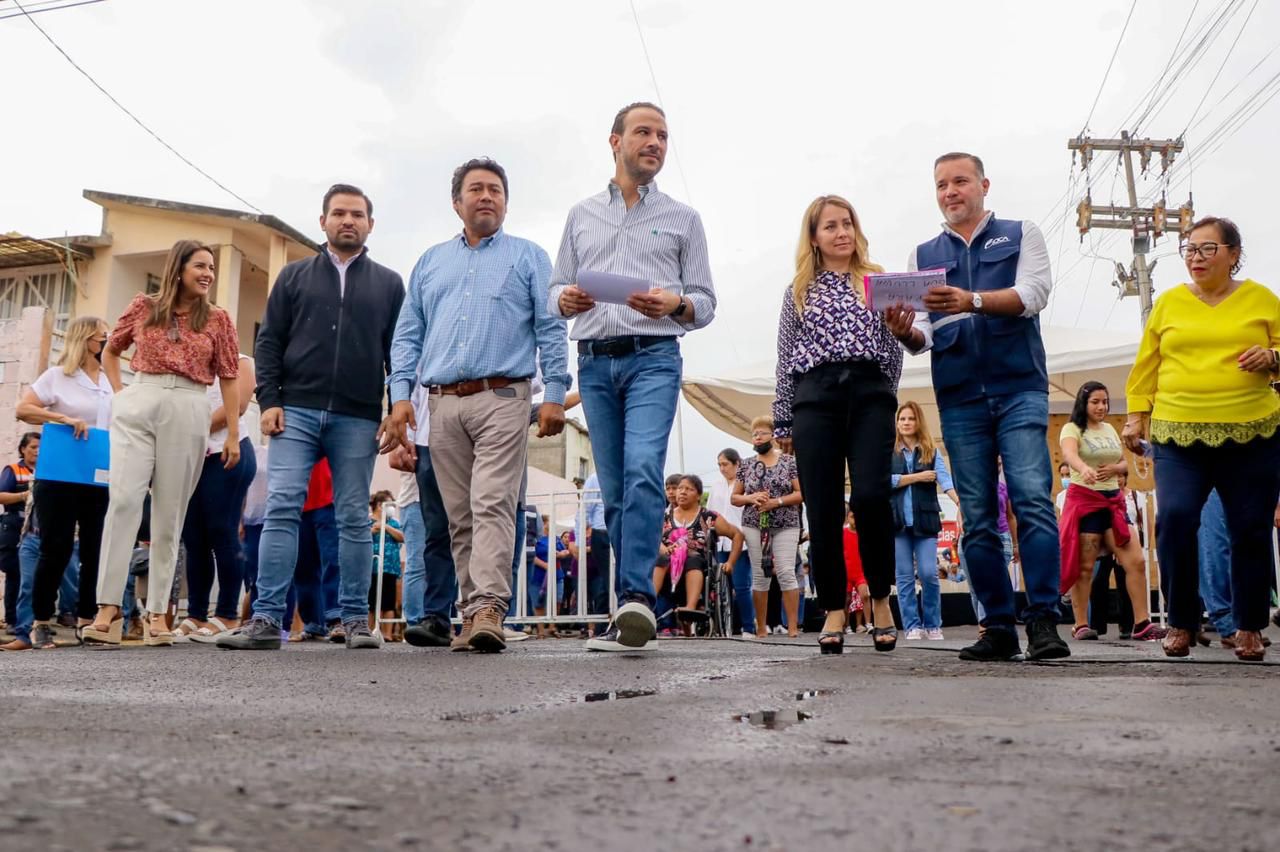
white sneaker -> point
(915, 633)
(513, 635)
(747, 634)
(779, 630)
(935, 633)
(636, 625)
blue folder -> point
(65, 458)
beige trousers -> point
(159, 429)
(478, 450)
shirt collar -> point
(485, 242)
(339, 262)
(982, 226)
(644, 189)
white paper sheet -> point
(607, 287)
(886, 289)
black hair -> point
(673, 480)
(693, 479)
(620, 120)
(27, 438)
(461, 172)
(1080, 410)
(731, 454)
(346, 189)
(961, 155)
(1230, 236)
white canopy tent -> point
(730, 400)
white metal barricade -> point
(518, 608)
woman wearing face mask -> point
(75, 393)
(159, 429)
(1095, 519)
(767, 488)
(918, 473)
(719, 501)
(1200, 392)
(837, 380)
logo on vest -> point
(994, 241)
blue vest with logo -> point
(976, 355)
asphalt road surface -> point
(700, 745)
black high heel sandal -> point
(827, 646)
(877, 632)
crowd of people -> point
(838, 502)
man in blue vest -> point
(992, 388)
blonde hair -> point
(762, 422)
(75, 342)
(809, 259)
(164, 303)
(927, 447)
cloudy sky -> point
(769, 105)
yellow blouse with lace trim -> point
(1186, 374)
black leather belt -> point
(615, 347)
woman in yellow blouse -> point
(1200, 390)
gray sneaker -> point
(360, 636)
(258, 634)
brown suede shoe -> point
(462, 642)
(19, 644)
(487, 635)
(1177, 642)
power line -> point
(635, 16)
(50, 6)
(126, 111)
(1230, 50)
(1114, 54)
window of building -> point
(153, 284)
(39, 286)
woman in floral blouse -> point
(768, 489)
(160, 427)
(838, 371)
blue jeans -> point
(918, 555)
(630, 401)
(1215, 565)
(68, 590)
(1013, 428)
(744, 608)
(431, 585)
(350, 446)
(316, 576)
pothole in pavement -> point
(618, 694)
(773, 720)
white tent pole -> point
(680, 433)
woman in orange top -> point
(159, 428)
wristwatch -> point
(977, 303)
(680, 308)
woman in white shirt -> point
(211, 530)
(75, 393)
(718, 501)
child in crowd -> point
(390, 563)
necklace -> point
(1231, 287)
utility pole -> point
(1147, 224)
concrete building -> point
(567, 455)
(99, 275)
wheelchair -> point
(714, 617)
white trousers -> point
(159, 430)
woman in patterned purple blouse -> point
(837, 381)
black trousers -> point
(10, 537)
(844, 417)
(1100, 597)
(60, 507)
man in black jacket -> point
(323, 353)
